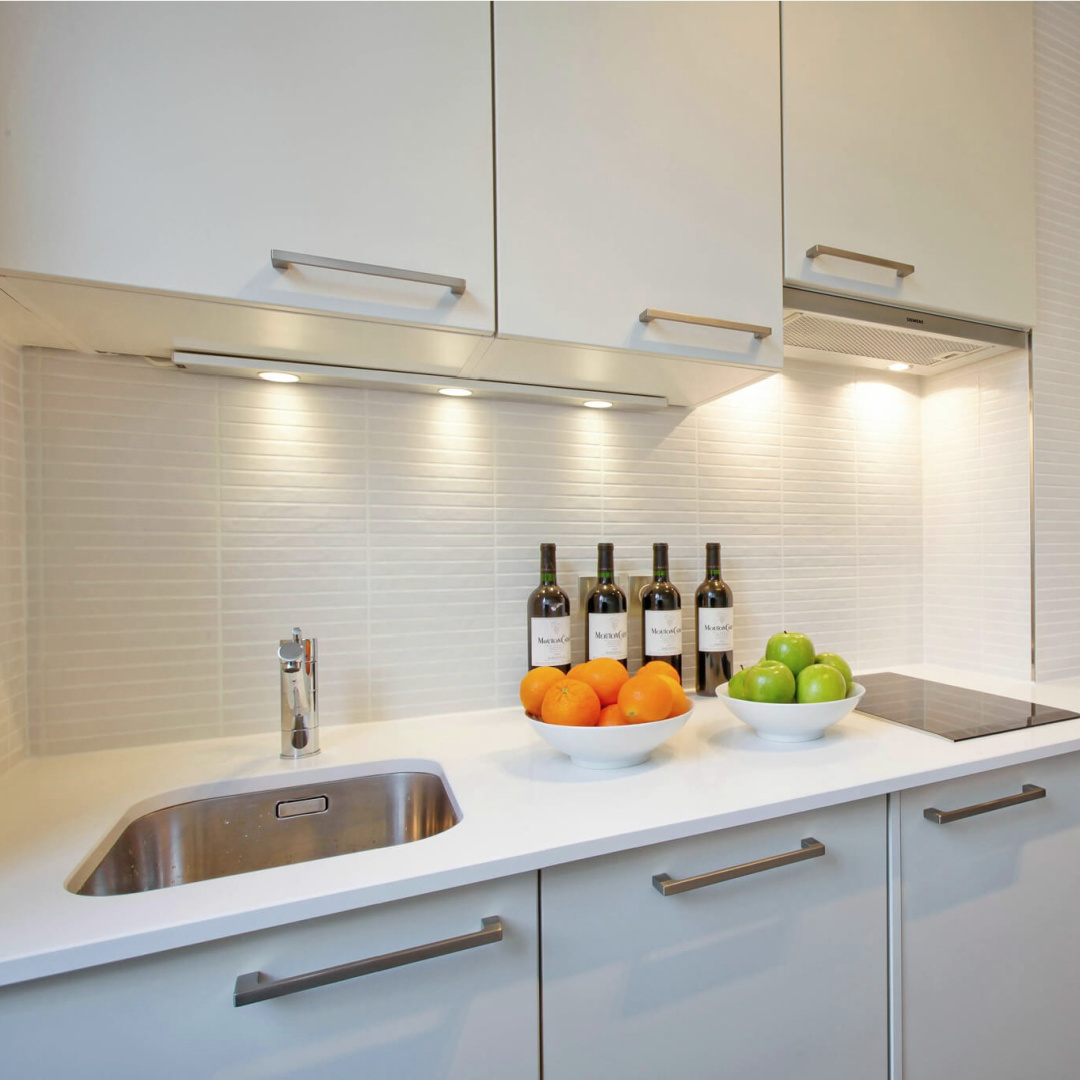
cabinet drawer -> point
(778, 972)
(990, 877)
(465, 1015)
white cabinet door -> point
(990, 959)
(466, 1015)
(909, 136)
(638, 167)
(172, 146)
(781, 973)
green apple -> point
(820, 682)
(735, 685)
(837, 662)
(769, 681)
(795, 650)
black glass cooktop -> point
(950, 711)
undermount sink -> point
(233, 834)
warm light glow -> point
(898, 366)
(455, 391)
(597, 404)
(279, 376)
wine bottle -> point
(549, 618)
(715, 626)
(605, 611)
(661, 615)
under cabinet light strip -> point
(246, 367)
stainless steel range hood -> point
(846, 330)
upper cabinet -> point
(172, 147)
(616, 166)
(909, 149)
(638, 170)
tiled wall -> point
(977, 517)
(13, 705)
(180, 524)
(1056, 345)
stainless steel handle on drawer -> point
(1028, 793)
(257, 986)
(902, 269)
(810, 849)
(282, 260)
(650, 314)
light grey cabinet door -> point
(638, 161)
(173, 146)
(465, 1016)
(909, 137)
(780, 973)
(989, 946)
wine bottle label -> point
(663, 633)
(607, 635)
(716, 629)
(550, 641)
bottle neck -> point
(605, 564)
(660, 562)
(712, 560)
(547, 564)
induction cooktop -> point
(950, 711)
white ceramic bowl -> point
(616, 747)
(791, 723)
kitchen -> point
(177, 523)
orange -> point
(535, 685)
(659, 667)
(645, 697)
(571, 703)
(604, 675)
(612, 715)
(680, 703)
(575, 671)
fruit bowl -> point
(794, 722)
(616, 747)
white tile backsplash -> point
(1056, 340)
(13, 616)
(178, 525)
(977, 520)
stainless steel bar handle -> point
(1028, 793)
(902, 269)
(282, 260)
(257, 986)
(810, 849)
(651, 314)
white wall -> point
(13, 702)
(1056, 343)
(178, 525)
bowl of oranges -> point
(600, 715)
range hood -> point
(846, 330)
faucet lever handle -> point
(292, 654)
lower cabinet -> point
(990, 903)
(466, 1015)
(780, 971)
(753, 953)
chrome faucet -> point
(299, 690)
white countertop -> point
(524, 806)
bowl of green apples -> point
(793, 693)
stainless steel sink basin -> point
(233, 834)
